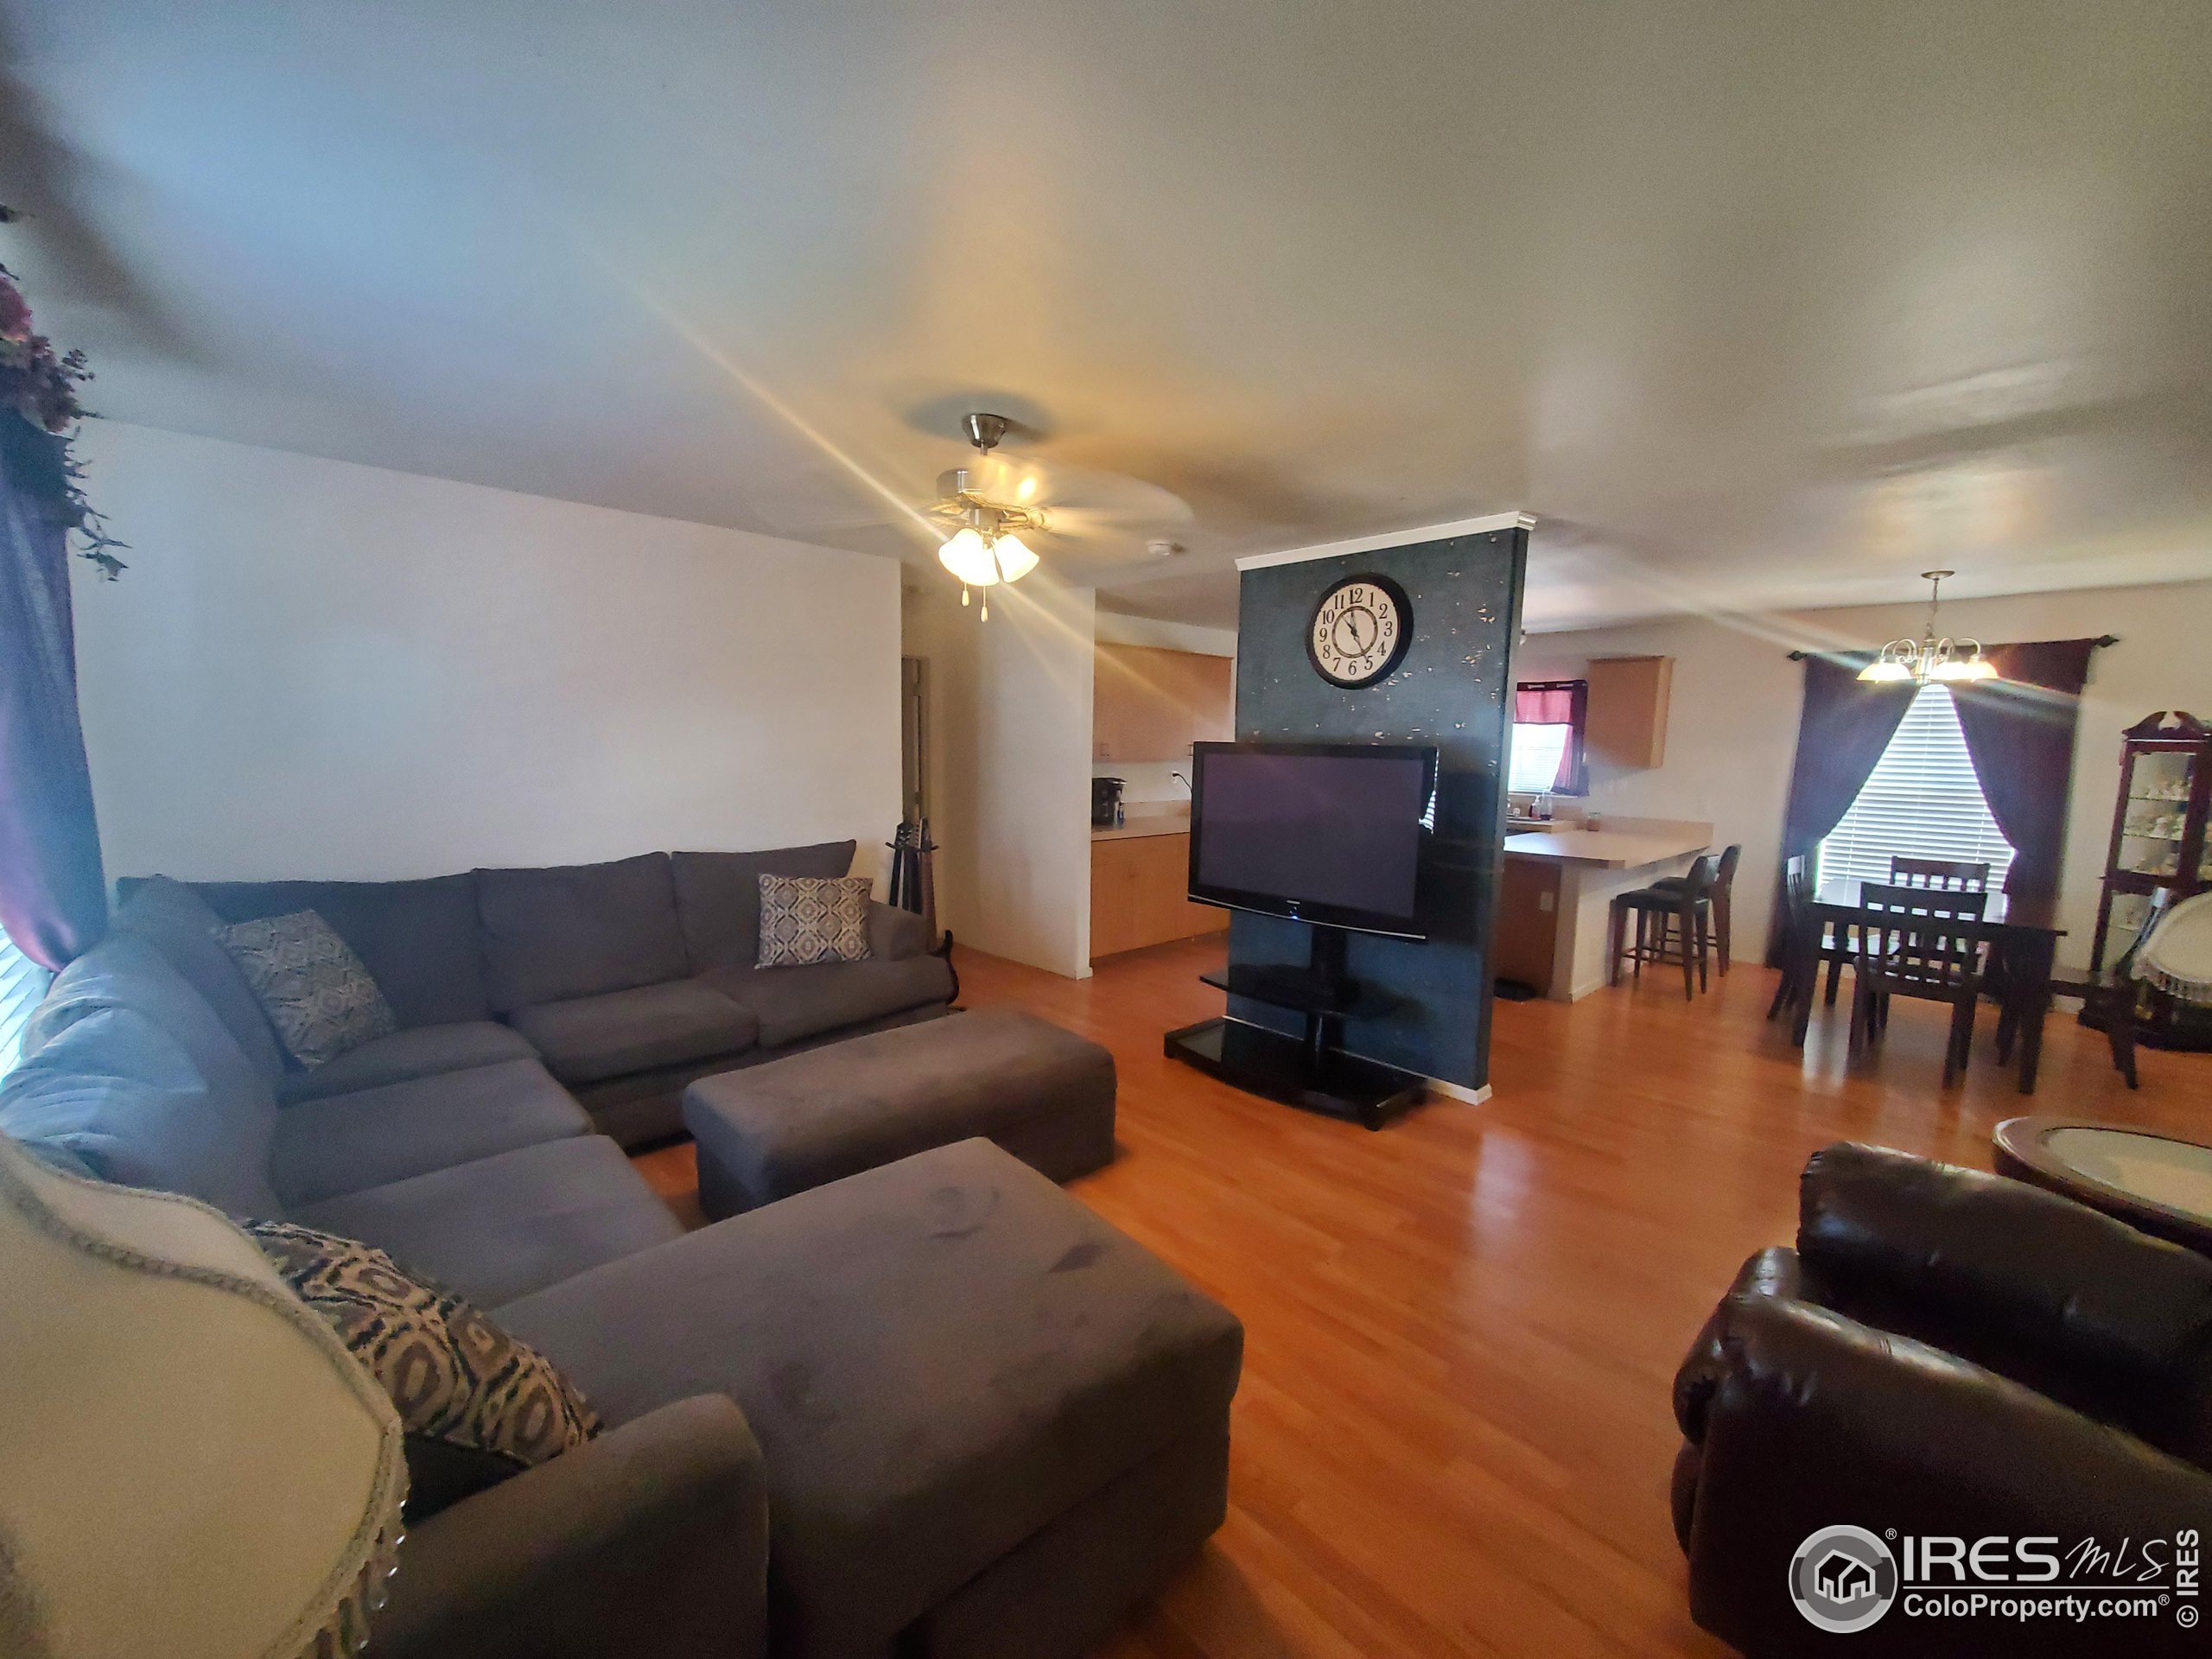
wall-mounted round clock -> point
(1361, 629)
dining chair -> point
(2171, 954)
(1796, 920)
(1952, 873)
(1924, 943)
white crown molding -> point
(1391, 538)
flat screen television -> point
(1331, 833)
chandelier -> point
(1930, 657)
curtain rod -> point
(2100, 641)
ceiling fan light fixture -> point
(1014, 559)
(968, 557)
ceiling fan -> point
(999, 505)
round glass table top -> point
(2176, 1173)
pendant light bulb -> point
(1015, 560)
(968, 555)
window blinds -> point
(1922, 800)
(22, 981)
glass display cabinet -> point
(2157, 841)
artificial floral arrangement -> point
(40, 384)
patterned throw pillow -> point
(315, 991)
(806, 919)
(477, 1405)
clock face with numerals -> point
(1360, 631)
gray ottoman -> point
(1043, 1094)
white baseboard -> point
(1458, 1091)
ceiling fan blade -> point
(1098, 535)
(1058, 488)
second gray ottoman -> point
(1043, 1094)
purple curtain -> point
(52, 894)
(2020, 731)
(1845, 725)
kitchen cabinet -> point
(1627, 720)
(1528, 922)
(1151, 704)
(1138, 884)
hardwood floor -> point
(1454, 1434)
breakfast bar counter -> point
(1556, 891)
(1612, 848)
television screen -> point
(1325, 833)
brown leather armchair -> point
(1945, 1354)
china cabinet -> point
(2157, 841)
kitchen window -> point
(1922, 800)
(1550, 717)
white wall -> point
(318, 669)
(1010, 766)
(1732, 731)
(1116, 629)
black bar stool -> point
(1660, 912)
(1722, 894)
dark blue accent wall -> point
(1452, 691)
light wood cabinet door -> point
(1627, 718)
(1137, 895)
(1150, 704)
(1528, 922)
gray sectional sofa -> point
(628, 980)
(938, 1408)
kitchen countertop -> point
(1145, 823)
(1616, 849)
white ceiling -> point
(1752, 305)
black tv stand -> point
(1311, 1071)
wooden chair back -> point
(1954, 874)
(1924, 942)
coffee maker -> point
(1106, 802)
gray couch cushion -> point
(718, 896)
(795, 1002)
(939, 1358)
(1043, 1094)
(893, 933)
(578, 930)
(417, 938)
(177, 922)
(119, 1096)
(128, 1071)
(420, 1052)
(589, 1038)
(351, 1142)
(502, 1227)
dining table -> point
(2023, 939)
